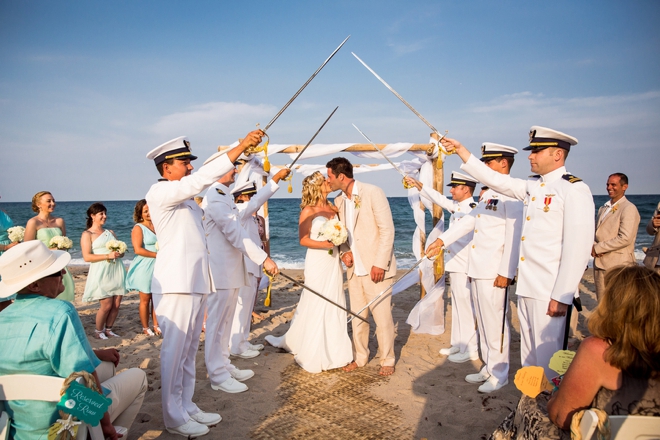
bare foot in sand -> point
(350, 367)
(386, 371)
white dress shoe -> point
(479, 377)
(248, 354)
(208, 419)
(241, 375)
(190, 429)
(231, 385)
(491, 385)
(448, 351)
(256, 347)
(459, 358)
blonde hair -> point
(311, 190)
(35, 200)
(628, 318)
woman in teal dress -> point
(44, 226)
(5, 244)
(107, 276)
(141, 271)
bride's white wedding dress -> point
(318, 335)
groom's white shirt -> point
(349, 204)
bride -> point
(318, 335)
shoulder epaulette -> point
(571, 178)
(221, 192)
(534, 176)
(473, 205)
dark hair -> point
(340, 165)
(623, 177)
(137, 212)
(95, 208)
(159, 167)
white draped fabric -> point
(428, 314)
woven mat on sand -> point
(331, 405)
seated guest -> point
(617, 369)
(45, 337)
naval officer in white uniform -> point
(182, 278)
(228, 242)
(492, 262)
(248, 201)
(557, 236)
(463, 334)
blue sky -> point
(88, 88)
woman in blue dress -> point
(5, 245)
(107, 276)
(141, 271)
(44, 226)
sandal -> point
(100, 334)
(147, 331)
(158, 331)
(110, 333)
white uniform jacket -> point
(228, 240)
(456, 255)
(249, 222)
(182, 265)
(496, 223)
(557, 231)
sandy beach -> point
(427, 397)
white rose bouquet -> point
(333, 231)
(60, 243)
(116, 246)
(16, 234)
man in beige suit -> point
(616, 230)
(369, 257)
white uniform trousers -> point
(240, 326)
(180, 317)
(221, 307)
(541, 336)
(489, 310)
(463, 333)
(127, 391)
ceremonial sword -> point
(325, 298)
(265, 129)
(406, 103)
(389, 288)
(506, 303)
(313, 137)
(380, 151)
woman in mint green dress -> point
(107, 276)
(141, 271)
(44, 226)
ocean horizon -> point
(283, 217)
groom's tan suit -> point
(373, 238)
(614, 241)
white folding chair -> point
(622, 427)
(35, 387)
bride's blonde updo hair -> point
(311, 190)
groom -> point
(369, 257)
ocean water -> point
(283, 214)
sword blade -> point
(379, 150)
(388, 288)
(313, 137)
(318, 294)
(265, 129)
(400, 98)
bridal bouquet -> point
(116, 246)
(60, 243)
(16, 234)
(333, 231)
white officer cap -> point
(542, 137)
(248, 187)
(178, 148)
(491, 151)
(462, 179)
